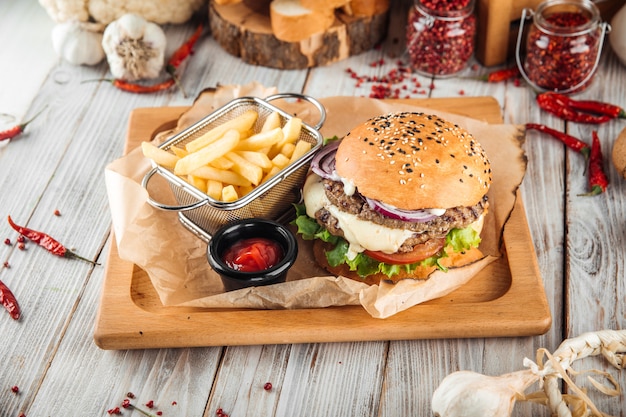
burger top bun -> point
(414, 161)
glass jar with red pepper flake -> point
(563, 45)
(440, 36)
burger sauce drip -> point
(253, 254)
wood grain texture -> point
(243, 32)
(50, 354)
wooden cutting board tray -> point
(507, 298)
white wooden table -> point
(58, 164)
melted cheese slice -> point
(360, 234)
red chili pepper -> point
(8, 300)
(569, 140)
(143, 89)
(553, 103)
(590, 106)
(183, 51)
(598, 181)
(16, 130)
(181, 54)
(47, 242)
(501, 75)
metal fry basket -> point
(272, 199)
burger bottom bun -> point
(453, 260)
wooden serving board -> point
(506, 298)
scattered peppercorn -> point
(130, 395)
(15, 389)
(267, 386)
(150, 404)
(6, 264)
(114, 411)
(57, 212)
(7, 241)
(21, 246)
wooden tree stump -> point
(245, 33)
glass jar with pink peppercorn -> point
(440, 36)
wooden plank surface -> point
(508, 294)
(59, 163)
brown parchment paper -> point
(175, 259)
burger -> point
(398, 197)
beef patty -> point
(457, 217)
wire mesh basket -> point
(272, 199)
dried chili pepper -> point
(179, 56)
(552, 103)
(501, 75)
(598, 181)
(569, 140)
(142, 89)
(589, 106)
(17, 129)
(183, 51)
(8, 300)
(47, 242)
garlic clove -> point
(77, 43)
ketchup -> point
(253, 254)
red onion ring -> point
(323, 163)
(416, 216)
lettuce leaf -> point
(458, 240)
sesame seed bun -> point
(414, 161)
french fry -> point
(199, 183)
(280, 161)
(261, 140)
(245, 168)
(222, 163)
(207, 154)
(244, 190)
(241, 124)
(224, 176)
(291, 133)
(214, 189)
(302, 147)
(288, 149)
(158, 155)
(271, 122)
(229, 194)
(230, 160)
(257, 158)
(292, 129)
(179, 152)
(275, 170)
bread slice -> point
(292, 22)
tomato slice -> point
(419, 253)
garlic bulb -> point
(470, 394)
(78, 43)
(134, 47)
